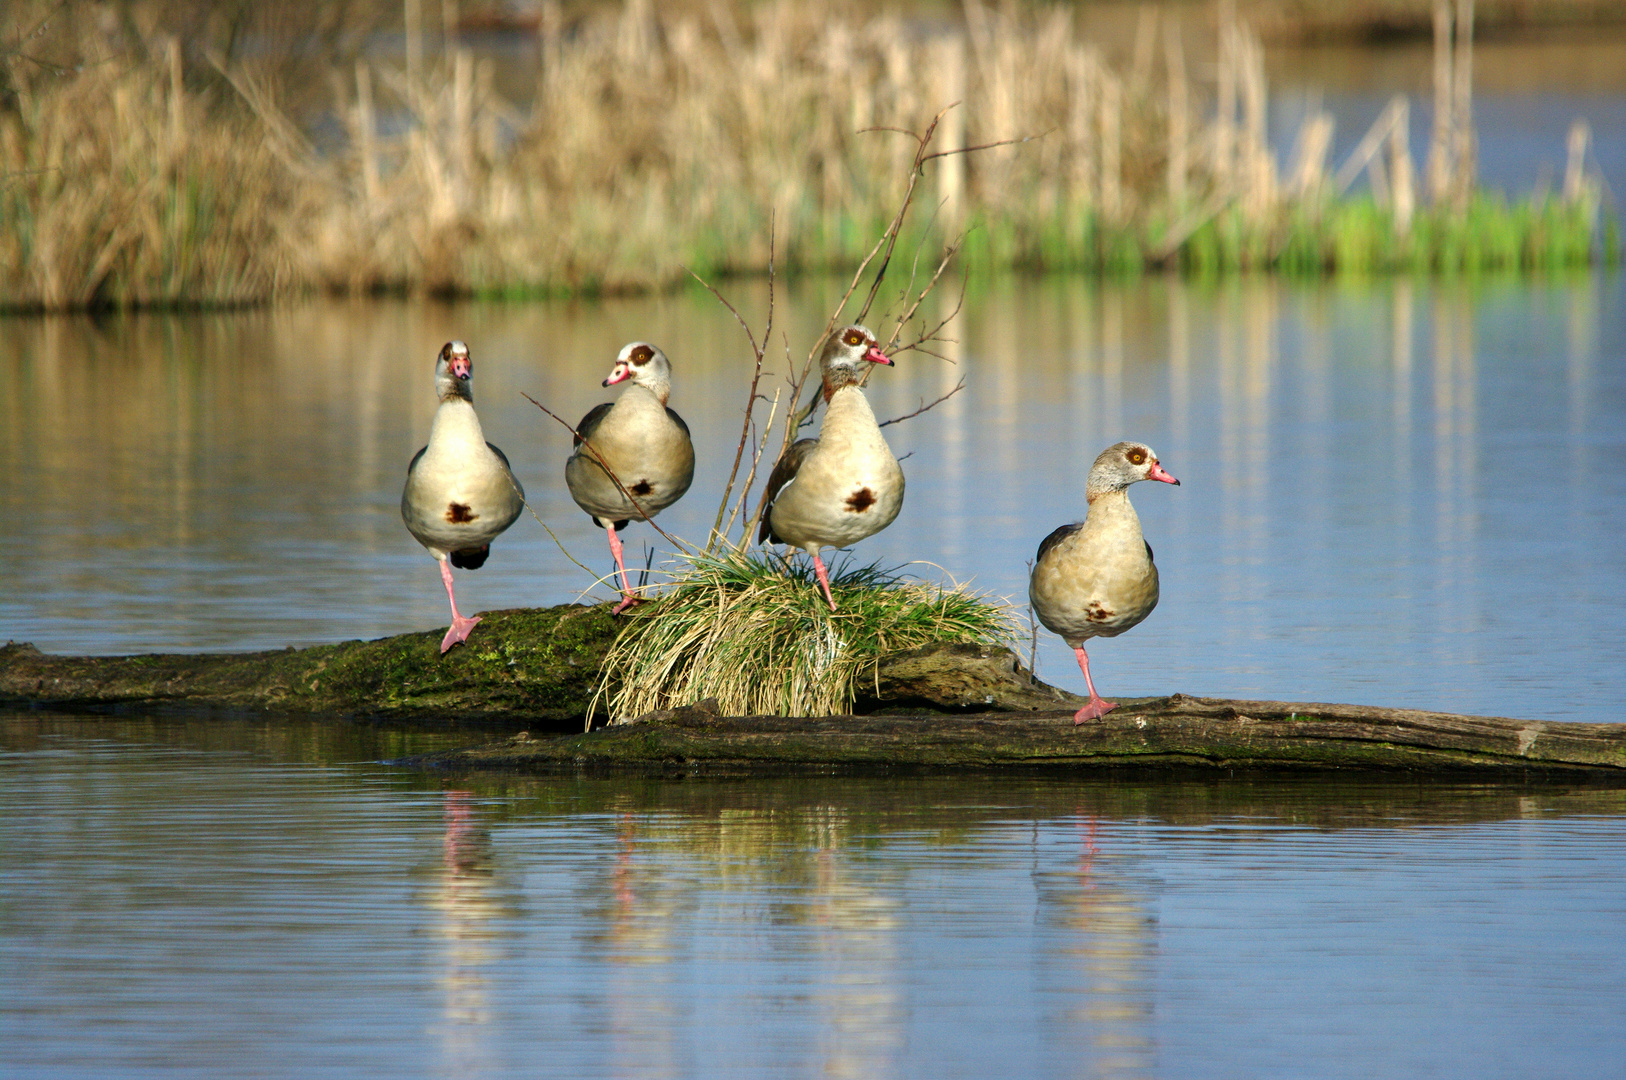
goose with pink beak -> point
(845, 485)
(638, 439)
(460, 493)
(1096, 578)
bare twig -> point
(38, 30)
(921, 158)
(890, 238)
(883, 248)
(564, 550)
(925, 405)
(1033, 637)
(797, 378)
(614, 479)
(751, 394)
(751, 478)
(931, 335)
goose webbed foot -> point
(458, 631)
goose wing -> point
(595, 416)
(784, 471)
(676, 419)
(1049, 543)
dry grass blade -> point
(741, 629)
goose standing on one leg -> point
(645, 444)
(460, 493)
(1096, 578)
(837, 489)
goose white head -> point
(453, 371)
(847, 353)
(646, 366)
(1122, 464)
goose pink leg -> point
(824, 579)
(1096, 708)
(459, 630)
(628, 597)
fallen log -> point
(969, 707)
(523, 668)
(530, 667)
(1171, 731)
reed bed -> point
(116, 190)
(660, 138)
(752, 630)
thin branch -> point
(751, 479)
(1033, 638)
(884, 248)
(614, 479)
(986, 146)
(751, 394)
(564, 550)
(887, 242)
(892, 230)
(38, 30)
(924, 406)
(942, 265)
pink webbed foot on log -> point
(627, 601)
(1095, 708)
(458, 631)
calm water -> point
(231, 899)
(1394, 492)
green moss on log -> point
(531, 668)
(526, 666)
(1177, 730)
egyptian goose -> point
(837, 489)
(1096, 578)
(645, 444)
(460, 493)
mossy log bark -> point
(525, 668)
(1177, 730)
(968, 707)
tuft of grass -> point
(753, 631)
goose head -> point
(847, 353)
(453, 370)
(1122, 464)
(645, 366)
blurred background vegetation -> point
(181, 152)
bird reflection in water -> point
(1096, 934)
(464, 899)
(680, 887)
(641, 1020)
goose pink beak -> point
(1158, 473)
(876, 356)
(622, 371)
(460, 366)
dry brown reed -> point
(116, 191)
(665, 137)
